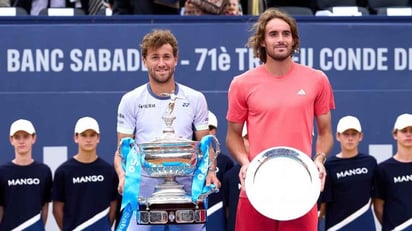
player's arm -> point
(324, 143)
(118, 162)
(236, 147)
(378, 208)
(45, 212)
(58, 207)
(198, 136)
(211, 177)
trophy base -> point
(171, 213)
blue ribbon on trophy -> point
(131, 164)
(200, 173)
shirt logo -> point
(301, 92)
(24, 181)
(87, 179)
(149, 105)
(401, 179)
(352, 172)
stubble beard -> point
(161, 79)
(279, 57)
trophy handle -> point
(212, 189)
(217, 151)
(216, 148)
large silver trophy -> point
(169, 157)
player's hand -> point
(322, 173)
(242, 175)
(211, 178)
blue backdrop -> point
(55, 70)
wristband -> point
(323, 155)
(215, 170)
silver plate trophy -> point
(169, 157)
(282, 183)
